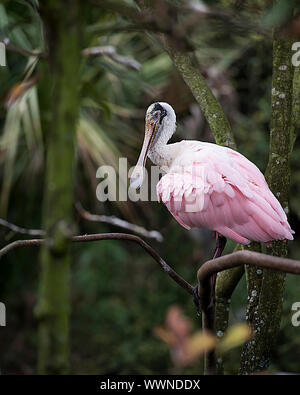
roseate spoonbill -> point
(210, 186)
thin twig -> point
(109, 236)
(152, 234)
(112, 220)
(21, 51)
(108, 50)
(111, 52)
(19, 229)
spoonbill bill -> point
(209, 186)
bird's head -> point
(160, 123)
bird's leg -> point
(220, 245)
(196, 298)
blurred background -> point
(119, 295)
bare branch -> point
(226, 262)
(151, 234)
(21, 51)
(108, 50)
(229, 261)
(111, 52)
(109, 236)
(18, 229)
(212, 266)
(112, 220)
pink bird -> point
(210, 186)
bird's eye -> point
(156, 114)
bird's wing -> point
(217, 188)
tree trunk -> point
(266, 287)
(59, 97)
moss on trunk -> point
(266, 287)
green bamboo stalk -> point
(59, 97)
(267, 287)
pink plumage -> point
(209, 186)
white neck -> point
(161, 153)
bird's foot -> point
(196, 298)
(212, 302)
